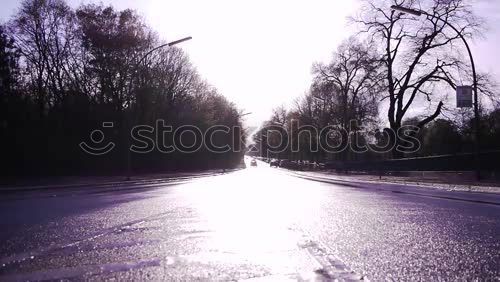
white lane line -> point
(330, 268)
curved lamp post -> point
(129, 158)
(418, 13)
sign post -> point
(464, 100)
(464, 97)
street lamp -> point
(244, 114)
(161, 46)
(129, 158)
(418, 13)
(414, 12)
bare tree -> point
(166, 79)
(79, 68)
(349, 83)
(114, 41)
(420, 57)
(45, 34)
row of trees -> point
(63, 72)
(397, 71)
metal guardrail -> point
(490, 161)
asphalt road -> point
(256, 224)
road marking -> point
(331, 268)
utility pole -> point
(129, 116)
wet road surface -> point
(255, 224)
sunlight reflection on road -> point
(254, 222)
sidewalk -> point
(471, 192)
(418, 179)
(86, 181)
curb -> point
(150, 182)
(425, 191)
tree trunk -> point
(395, 142)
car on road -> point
(274, 163)
(288, 164)
(253, 163)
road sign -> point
(464, 97)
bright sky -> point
(259, 53)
